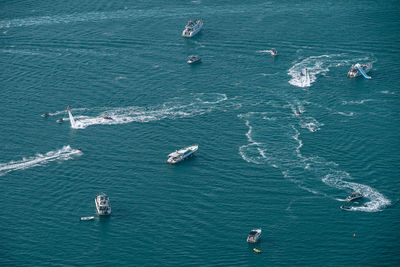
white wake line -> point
(376, 200)
(64, 153)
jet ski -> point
(107, 118)
(273, 52)
(60, 120)
(343, 207)
(87, 218)
(45, 115)
(257, 250)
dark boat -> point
(45, 115)
(354, 196)
(345, 207)
(60, 120)
(194, 59)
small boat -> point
(194, 59)
(273, 52)
(360, 69)
(45, 115)
(254, 236)
(257, 250)
(107, 118)
(343, 207)
(60, 120)
(192, 28)
(354, 196)
(103, 204)
(87, 218)
(182, 154)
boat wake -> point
(266, 147)
(317, 65)
(64, 153)
(194, 105)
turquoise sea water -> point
(258, 165)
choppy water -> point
(275, 151)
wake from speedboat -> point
(194, 105)
(317, 65)
(279, 145)
(64, 153)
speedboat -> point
(60, 120)
(194, 59)
(45, 115)
(192, 28)
(273, 52)
(354, 196)
(107, 118)
(343, 207)
(360, 69)
(182, 154)
(254, 236)
(103, 204)
(87, 218)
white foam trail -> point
(64, 153)
(194, 105)
(350, 114)
(310, 123)
(357, 102)
(303, 171)
(317, 65)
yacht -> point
(103, 204)
(354, 196)
(182, 154)
(194, 59)
(360, 69)
(192, 28)
(254, 236)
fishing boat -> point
(354, 196)
(192, 28)
(182, 154)
(254, 236)
(360, 69)
(103, 204)
(193, 59)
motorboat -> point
(182, 154)
(45, 115)
(192, 28)
(194, 59)
(107, 118)
(354, 196)
(343, 207)
(60, 120)
(254, 236)
(273, 52)
(87, 218)
(360, 69)
(103, 204)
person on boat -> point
(301, 74)
(298, 113)
(107, 118)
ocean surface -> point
(274, 152)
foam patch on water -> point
(357, 102)
(193, 105)
(64, 153)
(317, 65)
(283, 151)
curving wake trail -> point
(265, 147)
(65, 153)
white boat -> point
(254, 235)
(192, 28)
(360, 69)
(194, 59)
(354, 196)
(103, 204)
(87, 218)
(182, 154)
